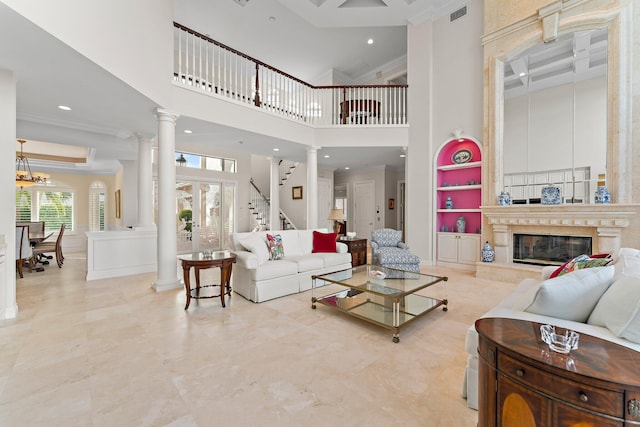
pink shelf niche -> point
(462, 182)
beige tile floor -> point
(115, 353)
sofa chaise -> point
(259, 278)
(602, 301)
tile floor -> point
(115, 353)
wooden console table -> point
(524, 383)
(200, 261)
(358, 250)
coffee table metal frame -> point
(390, 302)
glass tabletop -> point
(381, 281)
(205, 255)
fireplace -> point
(548, 249)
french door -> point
(204, 215)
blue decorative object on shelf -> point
(487, 253)
(550, 195)
(461, 224)
(504, 199)
(602, 195)
(448, 204)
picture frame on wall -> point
(296, 192)
(118, 207)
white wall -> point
(445, 93)
(132, 40)
(549, 145)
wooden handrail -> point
(265, 198)
(263, 64)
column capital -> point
(313, 149)
(162, 114)
(143, 137)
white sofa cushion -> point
(619, 309)
(306, 262)
(572, 296)
(332, 259)
(274, 269)
(256, 243)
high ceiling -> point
(309, 39)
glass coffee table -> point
(383, 296)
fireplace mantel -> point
(604, 223)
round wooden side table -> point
(201, 261)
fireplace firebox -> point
(545, 249)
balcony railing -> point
(204, 64)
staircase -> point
(259, 206)
(286, 169)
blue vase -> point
(550, 195)
(504, 199)
(448, 204)
(487, 253)
(602, 195)
(461, 224)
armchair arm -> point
(374, 246)
(341, 248)
(403, 245)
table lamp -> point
(336, 215)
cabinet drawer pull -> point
(520, 372)
(583, 396)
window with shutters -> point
(96, 206)
(52, 207)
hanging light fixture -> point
(24, 176)
(181, 161)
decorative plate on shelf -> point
(461, 156)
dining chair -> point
(48, 247)
(24, 252)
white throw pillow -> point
(572, 296)
(257, 245)
(619, 309)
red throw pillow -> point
(582, 261)
(324, 242)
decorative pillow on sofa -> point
(256, 245)
(580, 262)
(324, 242)
(619, 309)
(572, 296)
(276, 250)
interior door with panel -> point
(364, 208)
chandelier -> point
(24, 176)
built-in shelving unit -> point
(461, 181)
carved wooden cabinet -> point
(523, 383)
(358, 249)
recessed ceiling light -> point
(64, 107)
(370, 41)
(346, 167)
(188, 131)
(326, 156)
(276, 149)
(272, 19)
(522, 74)
(403, 155)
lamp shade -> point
(336, 215)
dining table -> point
(37, 237)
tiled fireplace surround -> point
(605, 224)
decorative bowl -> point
(351, 234)
(559, 342)
(377, 274)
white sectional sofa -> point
(260, 280)
(612, 307)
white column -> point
(145, 185)
(8, 305)
(312, 187)
(167, 240)
(274, 190)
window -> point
(96, 206)
(198, 161)
(52, 207)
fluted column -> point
(145, 185)
(312, 187)
(167, 240)
(274, 190)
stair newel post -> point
(256, 99)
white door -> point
(324, 203)
(364, 208)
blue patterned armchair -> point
(387, 250)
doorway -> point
(364, 208)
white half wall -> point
(121, 253)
